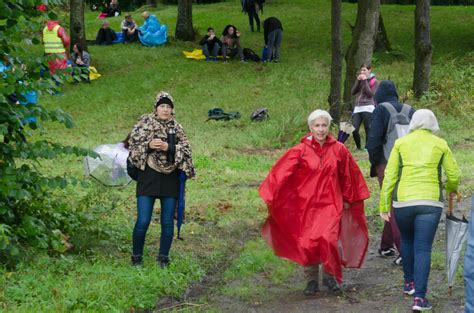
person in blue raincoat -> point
(469, 267)
(152, 33)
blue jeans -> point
(214, 52)
(273, 44)
(469, 266)
(417, 226)
(144, 212)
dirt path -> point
(374, 288)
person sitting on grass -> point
(231, 43)
(152, 33)
(105, 35)
(129, 29)
(80, 61)
(210, 45)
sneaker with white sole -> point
(398, 261)
(421, 304)
(409, 288)
(390, 252)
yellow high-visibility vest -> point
(52, 42)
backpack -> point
(259, 115)
(250, 55)
(218, 114)
(397, 126)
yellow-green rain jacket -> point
(413, 170)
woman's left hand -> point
(385, 216)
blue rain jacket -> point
(152, 33)
(469, 266)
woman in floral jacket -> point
(159, 149)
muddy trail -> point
(376, 287)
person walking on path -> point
(158, 149)
(314, 194)
(56, 44)
(364, 90)
(413, 181)
(386, 92)
(273, 35)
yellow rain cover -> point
(195, 54)
(93, 74)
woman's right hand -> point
(157, 144)
(385, 216)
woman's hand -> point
(385, 216)
(158, 144)
(79, 62)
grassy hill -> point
(232, 158)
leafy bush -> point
(29, 214)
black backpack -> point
(250, 55)
(218, 114)
(259, 115)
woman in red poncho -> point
(315, 194)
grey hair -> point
(317, 114)
(424, 119)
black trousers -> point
(357, 120)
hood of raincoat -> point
(386, 92)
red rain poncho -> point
(304, 192)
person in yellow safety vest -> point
(56, 42)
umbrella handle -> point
(451, 201)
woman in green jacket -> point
(413, 181)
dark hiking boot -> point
(163, 261)
(311, 288)
(388, 253)
(137, 260)
(332, 284)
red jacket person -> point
(315, 194)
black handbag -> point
(132, 171)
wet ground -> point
(376, 287)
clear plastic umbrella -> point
(110, 167)
(456, 235)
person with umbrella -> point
(159, 150)
(413, 181)
(315, 194)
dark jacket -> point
(269, 25)
(105, 36)
(386, 92)
(210, 44)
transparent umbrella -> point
(456, 235)
(110, 166)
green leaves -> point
(29, 213)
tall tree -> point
(184, 22)
(334, 98)
(423, 48)
(382, 44)
(361, 48)
(78, 29)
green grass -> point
(232, 158)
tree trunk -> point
(184, 22)
(151, 3)
(334, 98)
(362, 46)
(423, 48)
(78, 31)
(382, 44)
